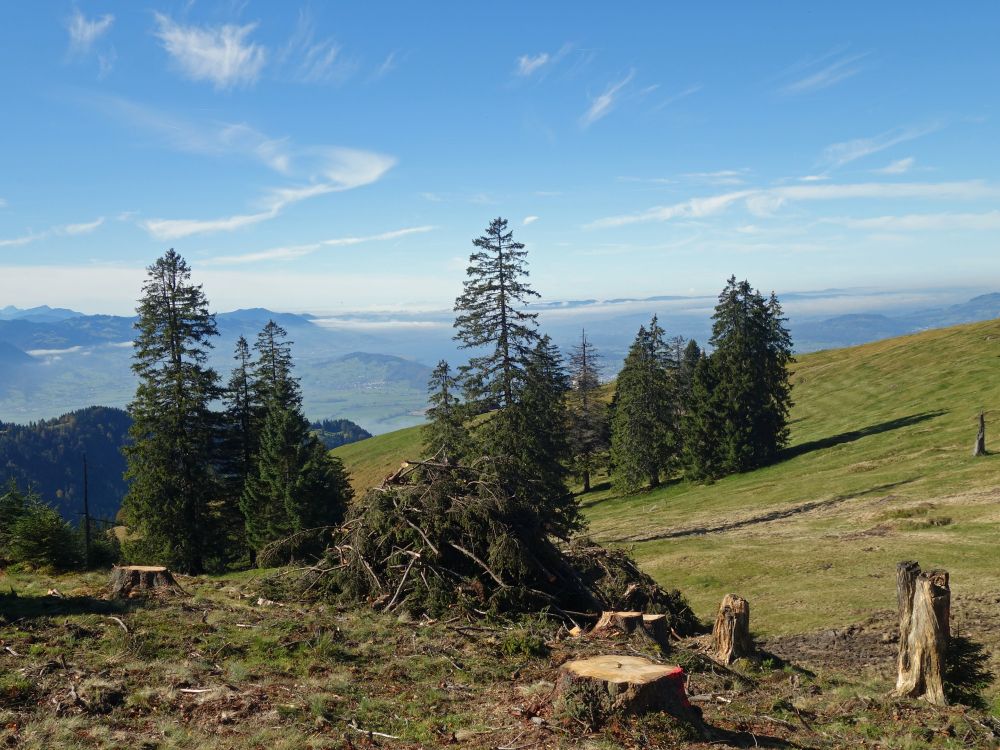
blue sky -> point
(340, 157)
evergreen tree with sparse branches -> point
(490, 316)
(588, 413)
(445, 434)
(172, 453)
(643, 413)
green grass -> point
(372, 460)
(875, 430)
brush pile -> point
(436, 535)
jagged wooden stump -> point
(924, 601)
(601, 688)
(630, 623)
(731, 633)
(132, 580)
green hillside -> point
(879, 469)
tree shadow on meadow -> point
(852, 435)
(14, 607)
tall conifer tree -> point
(643, 429)
(743, 398)
(173, 436)
(490, 316)
(294, 484)
(588, 413)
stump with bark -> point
(597, 690)
(979, 449)
(924, 600)
(652, 626)
(129, 581)
(731, 633)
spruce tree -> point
(445, 434)
(171, 456)
(740, 407)
(490, 316)
(588, 413)
(294, 484)
(643, 421)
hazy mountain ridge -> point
(373, 368)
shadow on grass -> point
(967, 674)
(774, 515)
(850, 437)
(14, 608)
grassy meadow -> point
(878, 469)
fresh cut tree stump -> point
(601, 688)
(128, 581)
(731, 633)
(924, 601)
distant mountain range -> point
(373, 368)
(53, 361)
(850, 330)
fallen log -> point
(731, 633)
(128, 581)
(600, 689)
(924, 600)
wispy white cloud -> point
(83, 228)
(297, 251)
(683, 94)
(220, 54)
(387, 66)
(308, 59)
(838, 154)
(83, 32)
(208, 138)
(62, 230)
(987, 221)
(602, 104)
(528, 64)
(765, 201)
(720, 177)
(345, 169)
(529, 220)
(823, 72)
(900, 166)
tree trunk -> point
(731, 634)
(129, 581)
(980, 447)
(924, 612)
(602, 688)
(586, 481)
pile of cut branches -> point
(435, 535)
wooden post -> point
(924, 601)
(86, 514)
(731, 634)
(980, 447)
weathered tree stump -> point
(731, 633)
(979, 449)
(601, 688)
(625, 622)
(128, 581)
(924, 601)
(631, 623)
